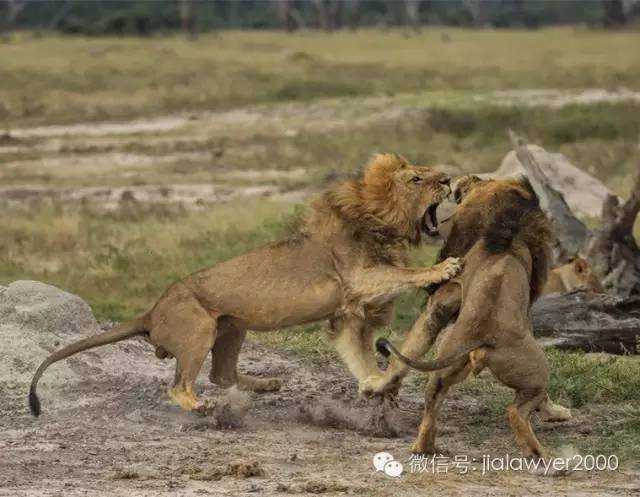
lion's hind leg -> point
(224, 362)
(439, 384)
(518, 413)
(187, 331)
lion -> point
(504, 237)
(573, 275)
(345, 264)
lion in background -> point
(505, 238)
(345, 264)
(575, 274)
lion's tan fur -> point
(573, 275)
(504, 237)
(345, 265)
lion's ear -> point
(402, 161)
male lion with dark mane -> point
(505, 238)
(346, 264)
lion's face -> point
(579, 274)
(464, 185)
(405, 193)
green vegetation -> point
(139, 17)
(600, 138)
(57, 79)
(121, 261)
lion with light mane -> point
(345, 264)
(575, 274)
(504, 237)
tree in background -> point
(613, 13)
(186, 17)
(329, 14)
(143, 17)
(290, 18)
(479, 11)
(412, 13)
(11, 11)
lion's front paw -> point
(449, 268)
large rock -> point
(36, 319)
(45, 308)
(583, 193)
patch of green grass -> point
(601, 139)
(121, 261)
(55, 78)
(308, 342)
(578, 379)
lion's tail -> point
(386, 348)
(120, 332)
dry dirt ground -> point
(112, 432)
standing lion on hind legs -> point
(504, 237)
(345, 264)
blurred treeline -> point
(142, 18)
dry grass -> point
(121, 261)
(70, 79)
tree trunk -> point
(351, 10)
(613, 251)
(614, 15)
(412, 13)
(329, 14)
(13, 8)
(290, 18)
(186, 17)
(335, 14)
(478, 10)
(570, 232)
(588, 321)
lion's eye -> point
(416, 179)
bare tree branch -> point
(587, 321)
(571, 233)
(614, 251)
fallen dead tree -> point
(579, 320)
(592, 322)
(611, 249)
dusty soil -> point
(112, 432)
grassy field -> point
(317, 105)
(55, 79)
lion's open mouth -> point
(430, 220)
